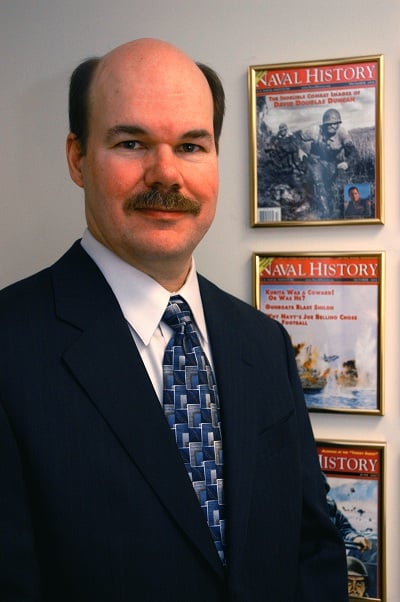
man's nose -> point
(353, 587)
(162, 169)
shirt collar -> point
(141, 298)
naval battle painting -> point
(331, 306)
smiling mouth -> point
(155, 200)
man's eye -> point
(189, 147)
(129, 144)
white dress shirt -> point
(143, 301)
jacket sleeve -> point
(322, 564)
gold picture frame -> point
(332, 307)
(316, 142)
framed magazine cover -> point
(331, 305)
(316, 142)
(354, 474)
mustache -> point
(170, 200)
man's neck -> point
(171, 279)
(169, 272)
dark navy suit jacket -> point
(95, 503)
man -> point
(286, 154)
(96, 500)
(331, 155)
(357, 578)
(356, 206)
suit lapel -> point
(105, 361)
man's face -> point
(150, 128)
(354, 195)
(355, 586)
(331, 128)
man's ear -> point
(74, 158)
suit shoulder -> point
(26, 292)
(226, 302)
(31, 293)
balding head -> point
(152, 61)
(145, 54)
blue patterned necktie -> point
(191, 407)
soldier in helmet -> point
(285, 155)
(357, 578)
(331, 156)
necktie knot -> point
(177, 314)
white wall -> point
(41, 210)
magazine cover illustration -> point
(353, 479)
(330, 305)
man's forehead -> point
(159, 84)
(125, 93)
(151, 85)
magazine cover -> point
(316, 142)
(331, 307)
(354, 476)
